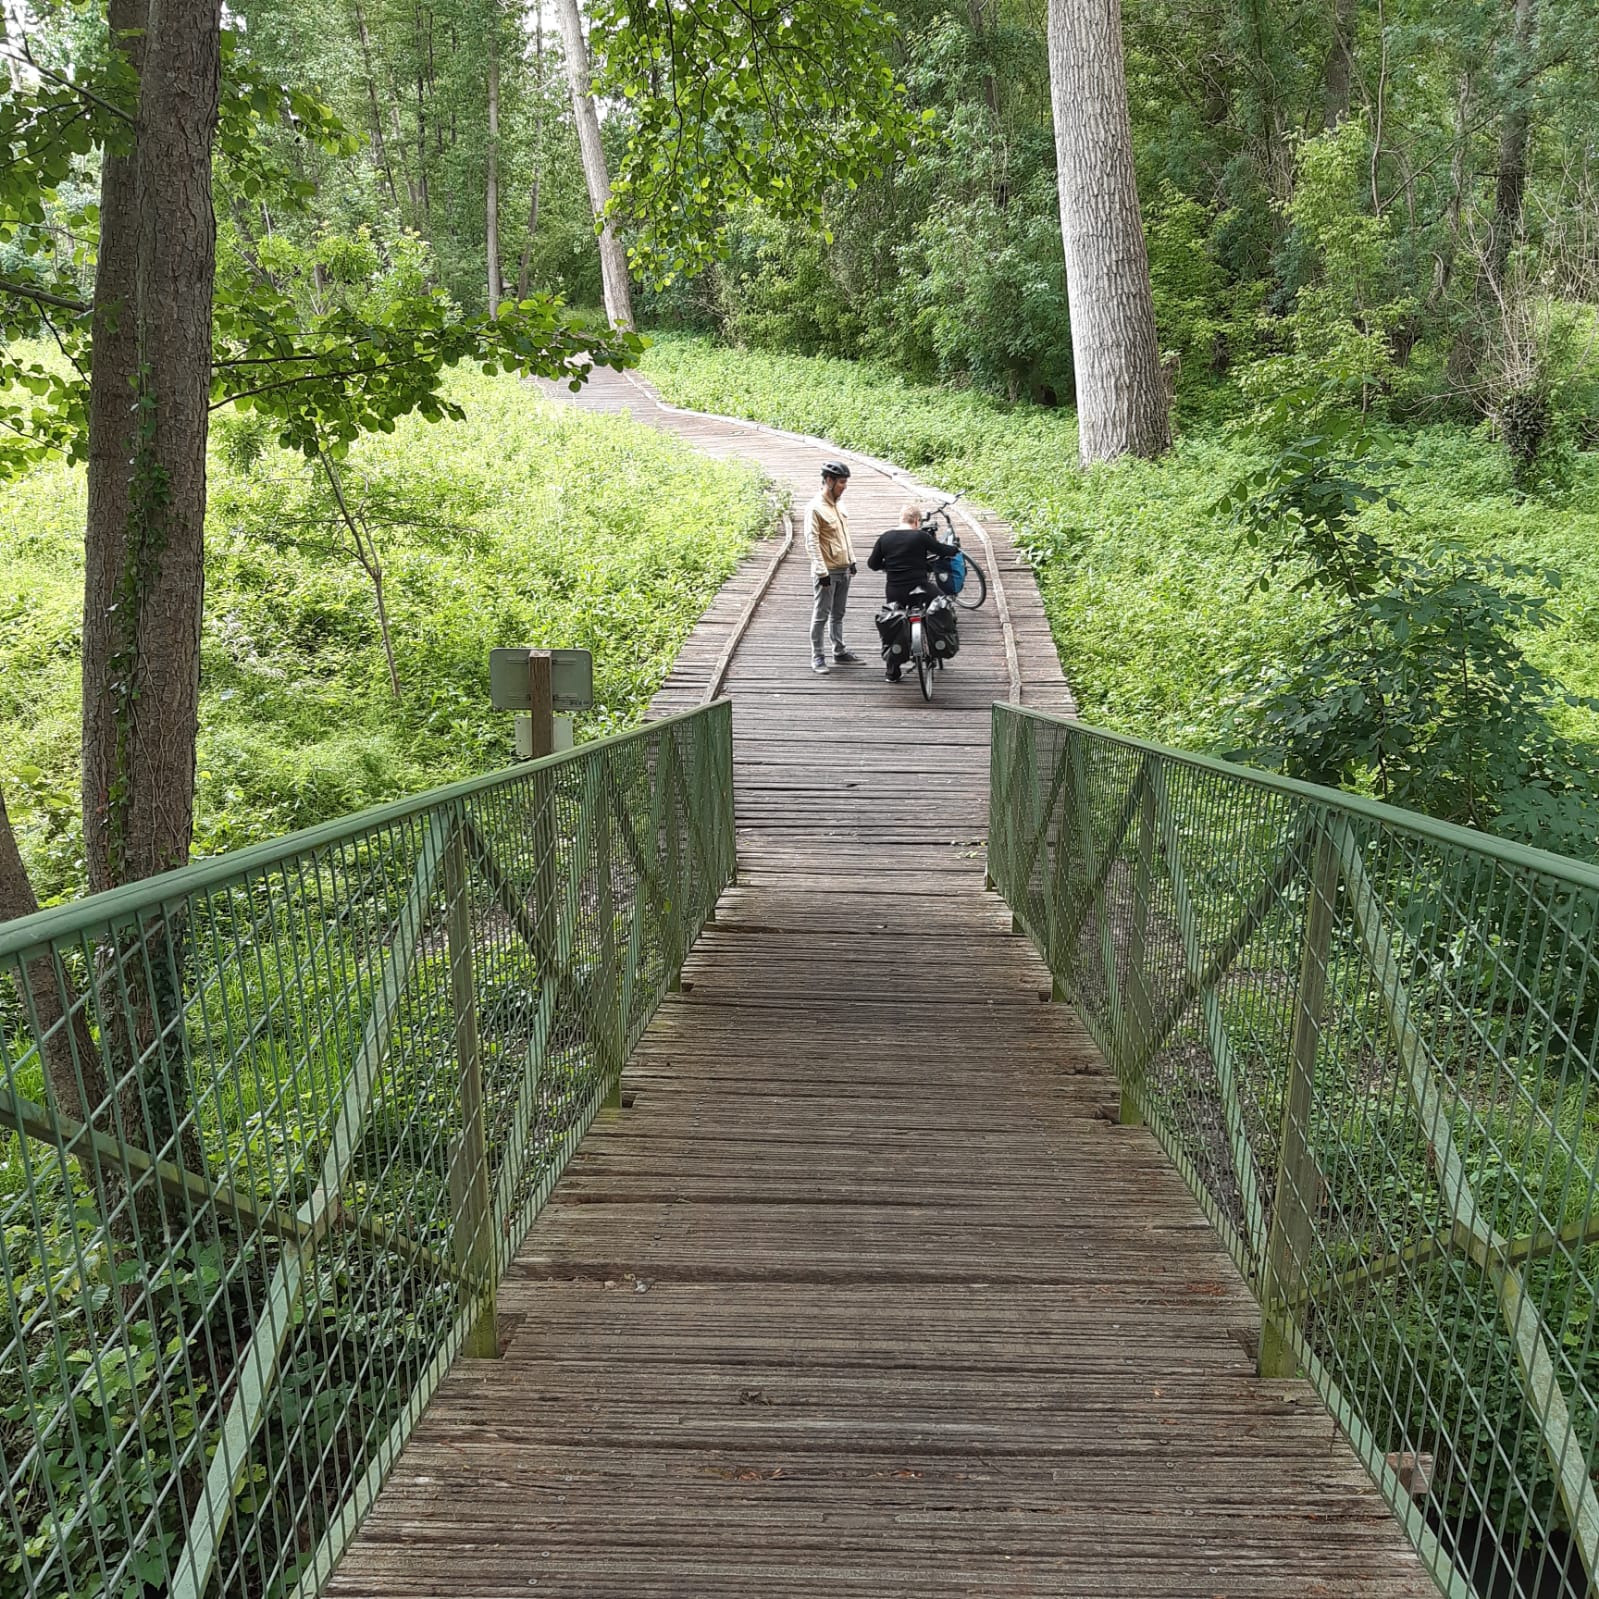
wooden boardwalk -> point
(866, 1293)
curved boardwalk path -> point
(866, 1294)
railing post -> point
(1141, 1002)
(611, 1024)
(1293, 1208)
(724, 795)
(701, 778)
(470, 1205)
(998, 796)
(666, 772)
(544, 907)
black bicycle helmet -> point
(835, 469)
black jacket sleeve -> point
(875, 559)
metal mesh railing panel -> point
(1368, 1041)
(270, 1130)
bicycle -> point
(925, 653)
(975, 589)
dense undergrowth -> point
(525, 523)
(1150, 588)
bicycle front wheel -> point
(975, 589)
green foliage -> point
(1150, 605)
(1416, 686)
(1202, 314)
(1348, 303)
(730, 102)
(371, 344)
(523, 522)
(777, 290)
(990, 299)
(326, 366)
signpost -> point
(540, 683)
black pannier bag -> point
(943, 637)
(893, 628)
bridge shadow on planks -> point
(866, 1293)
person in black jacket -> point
(906, 556)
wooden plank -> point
(866, 1292)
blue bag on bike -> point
(952, 574)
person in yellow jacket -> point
(832, 559)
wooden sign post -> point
(541, 683)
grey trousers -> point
(829, 608)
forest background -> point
(1373, 243)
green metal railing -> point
(271, 1128)
(1367, 1040)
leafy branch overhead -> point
(344, 373)
(323, 375)
(733, 101)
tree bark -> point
(1515, 132)
(112, 378)
(1339, 74)
(144, 538)
(380, 154)
(154, 675)
(1459, 180)
(491, 184)
(398, 133)
(72, 1065)
(421, 113)
(524, 267)
(613, 258)
(1121, 399)
(974, 16)
(422, 149)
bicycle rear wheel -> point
(924, 661)
(975, 589)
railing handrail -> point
(1365, 1038)
(1525, 857)
(26, 936)
(301, 1103)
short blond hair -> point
(911, 516)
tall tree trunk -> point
(974, 16)
(112, 378)
(491, 186)
(1514, 135)
(72, 1066)
(1459, 179)
(380, 155)
(398, 133)
(524, 268)
(613, 258)
(422, 148)
(418, 36)
(144, 537)
(1121, 398)
(1339, 74)
(156, 675)
(1269, 132)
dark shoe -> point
(893, 674)
(819, 666)
(841, 657)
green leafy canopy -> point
(735, 101)
(324, 374)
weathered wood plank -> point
(866, 1293)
